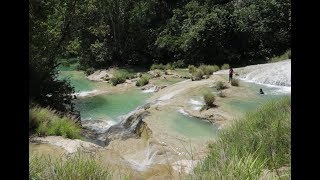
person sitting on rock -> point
(261, 92)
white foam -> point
(278, 74)
(180, 110)
(150, 90)
(143, 164)
(196, 108)
(85, 93)
(194, 102)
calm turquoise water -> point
(187, 126)
(192, 127)
(102, 106)
(106, 106)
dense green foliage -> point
(259, 141)
(79, 166)
(111, 32)
(49, 25)
(46, 122)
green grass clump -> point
(259, 141)
(225, 66)
(197, 75)
(143, 81)
(209, 99)
(79, 166)
(117, 80)
(157, 66)
(179, 64)
(192, 69)
(170, 66)
(234, 82)
(209, 69)
(220, 85)
(120, 76)
(46, 122)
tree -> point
(49, 24)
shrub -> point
(46, 122)
(125, 73)
(142, 81)
(209, 69)
(197, 75)
(258, 141)
(170, 66)
(234, 82)
(117, 80)
(192, 68)
(179, 64)
(89, 71)
(158, 66)
(225, 66)
(213, 68)
(209, 99)
(220, 85)
(79, 166)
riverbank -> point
(180, 132)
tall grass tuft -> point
(257, 142)
(79, 166)
(120, 76)
(220, 85)
(197, 75)
(192, 69)
(46, 122)
(142, 81)
(209, 69)
(209, 99)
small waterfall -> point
(196, 105)
(85, 93)
(151, 89)
(277, 74)
(180, 110)
(146, 159)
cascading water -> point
(142, 163)
(277, 75)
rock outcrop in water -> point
(132, 126)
